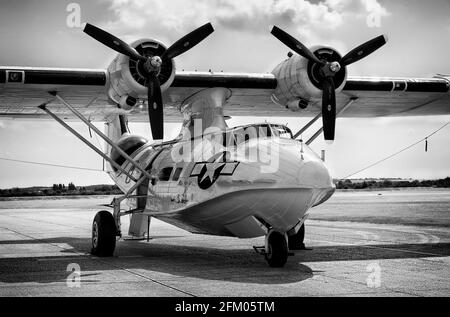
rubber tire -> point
(278, 250)
(296, 242)
(106, 237)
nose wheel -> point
(278, 246)
(277, 251)
(103, 234)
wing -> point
(375, 97)
(396, 97)
(23, 89)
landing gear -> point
(279, 246)
(104, 233)
(296, 241)
(276, 249)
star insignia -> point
(208, 172)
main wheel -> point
(296, 242)
(103, 234)
(277, 250)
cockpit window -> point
(251, 132)
(244, 134)
(164, 174)
(177, 173)
(264, 131)
(282, 131)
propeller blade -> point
(112, 42)
(188, 41)
(328, 108)
(363, 50)
(155, 107)
(295, 45)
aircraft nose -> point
(314, 174)
(303, 166)
(308, 172)
(286, 163)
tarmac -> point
(44, 251)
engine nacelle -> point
(299, 80)
(127, 79)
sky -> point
(44, 33)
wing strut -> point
(306, 127)
(116, 203)
(103, 136)
(85, 141)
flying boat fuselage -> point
(235, 183)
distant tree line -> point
(386, 183)
(72, 190)
(61, 190)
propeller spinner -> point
(328, 71)
(152, 66)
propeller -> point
(152, 66)
(328, 70)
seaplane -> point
(257, 180)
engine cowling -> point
(127, 79)
(299, 80)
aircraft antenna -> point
(52, 165)
(396, 153)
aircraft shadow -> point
(233, 265)
(242, 265)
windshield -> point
(244, 134)
(281, 131)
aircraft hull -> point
(242, 213)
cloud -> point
(242, 41)
(362, 7)
(163, 17)
(256, 16)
